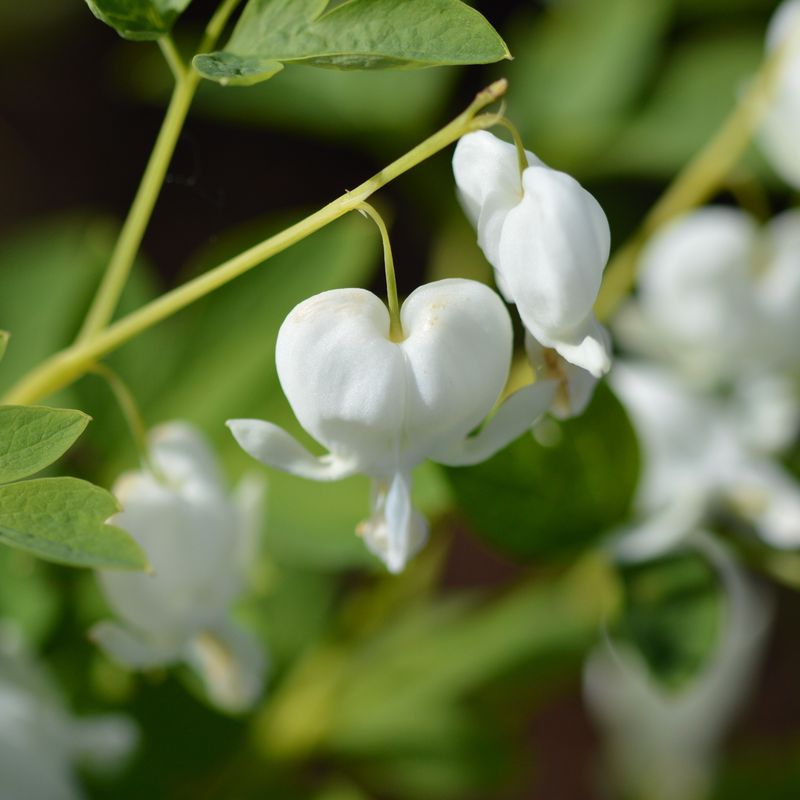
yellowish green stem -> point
(128, 407)
(699, 180)
(68, 365)
(186, 81)
(395, 325)
(522, 156)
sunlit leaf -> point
(64, 520)
(359, 34)
(33, 437)
(138, 19)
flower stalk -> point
(71, 363)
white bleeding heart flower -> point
(41, 743)
(697, 453)
(199, 541)
(381, 406)
(664, 745)
(718, 295)
(547, 239)
(781, 123)
(574, 385)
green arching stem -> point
(702, 177)
(68, 365)
(172, 57)
(130, 238)
(395, 325)
(522, 156)
(130, 411)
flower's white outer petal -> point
(232, 665)
(575, 384)
(274, 447)
(516, 415)
(553, 248)
(182, 454)
(487, 176)
(696, 288)
(781, 123)
(458, 350)
(343, 376)
(135, 650)
(186, 535)
(765, 412)
(664, 744)
(104, 741)
(395, 531)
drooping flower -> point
(199, 541)
(547, 239)
(697, 455)
(718, 296)
(41, 743)
(381, 406)
(664, 745)
(781, 123)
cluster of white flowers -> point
(199, 542)
(713, 390)
(381, 406)
(41, 743)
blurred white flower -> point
(41, 743)
(718, 296)
(381, 406)
(663, 745)
(697, 454)
(199, 542)
(546, 237)
(781, 124)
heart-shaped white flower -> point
(199, 541)
(546, 237)
(381, 406)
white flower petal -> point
(274, 447)
(553, 249)
(134, 650)
(516, 415)
(395, 531)
(458, 349)
(231, 664)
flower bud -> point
(546, 237)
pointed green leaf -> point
(357, 34)
(672, 614)
(138, 19)
(64, 520)
(33, 437)
(3, 343)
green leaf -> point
(672, 614)
(358, 34)
(33, 437)
(138, 19)
(64, 520)
(3, 343)
(534, 500)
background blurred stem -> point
(130, 239)
(69, 364)
(699, 180)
